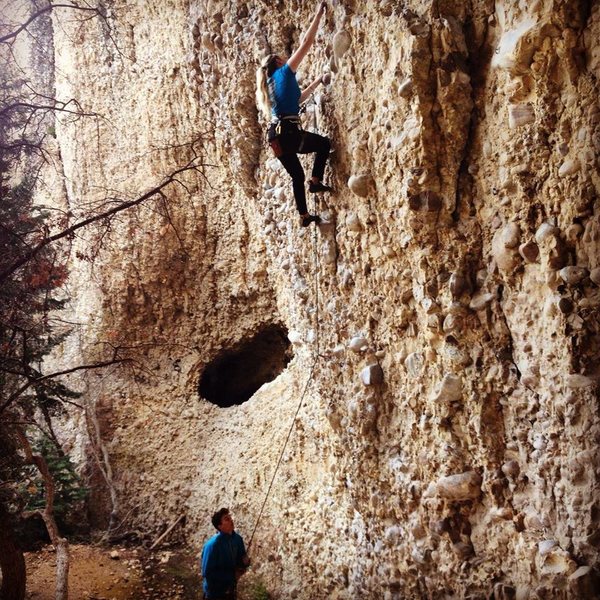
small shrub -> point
(258, 591)
(70, 493)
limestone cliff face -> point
(447, 446)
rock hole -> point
(236, 373)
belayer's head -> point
(222, 521)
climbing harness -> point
(291, 119)
(280, 125)
(306, 386)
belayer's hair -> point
(216, 518)
(268, 66)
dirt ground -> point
(98, 573)
(101, 573)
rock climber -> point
(224, 559)
(279, 97)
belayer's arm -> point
(307, 39)
(243, 560)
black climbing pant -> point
(228, 595)
(292, 141)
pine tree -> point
(69, 493)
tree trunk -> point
(60, 544)
(62, 569)
(12, 562)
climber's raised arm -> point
(307, 39)
(306, 92)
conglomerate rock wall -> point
(445, 312)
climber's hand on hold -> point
(307, 39)
(321, 10)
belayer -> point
(279, 97)
(224, 559)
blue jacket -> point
(284, 92)
(221, 556)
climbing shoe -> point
(306, 220)
(315, 188)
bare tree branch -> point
(172, 177)
(102, 458)
(39, 13)
(37, 380)
(57, 107)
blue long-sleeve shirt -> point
(221, 556)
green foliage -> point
(26, 298)
(258, 591)
(69, 491)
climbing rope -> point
(317, 271)
(315, 123)
(306, 385)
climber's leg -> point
(312, 142)
(292, 165)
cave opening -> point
(236, 373)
